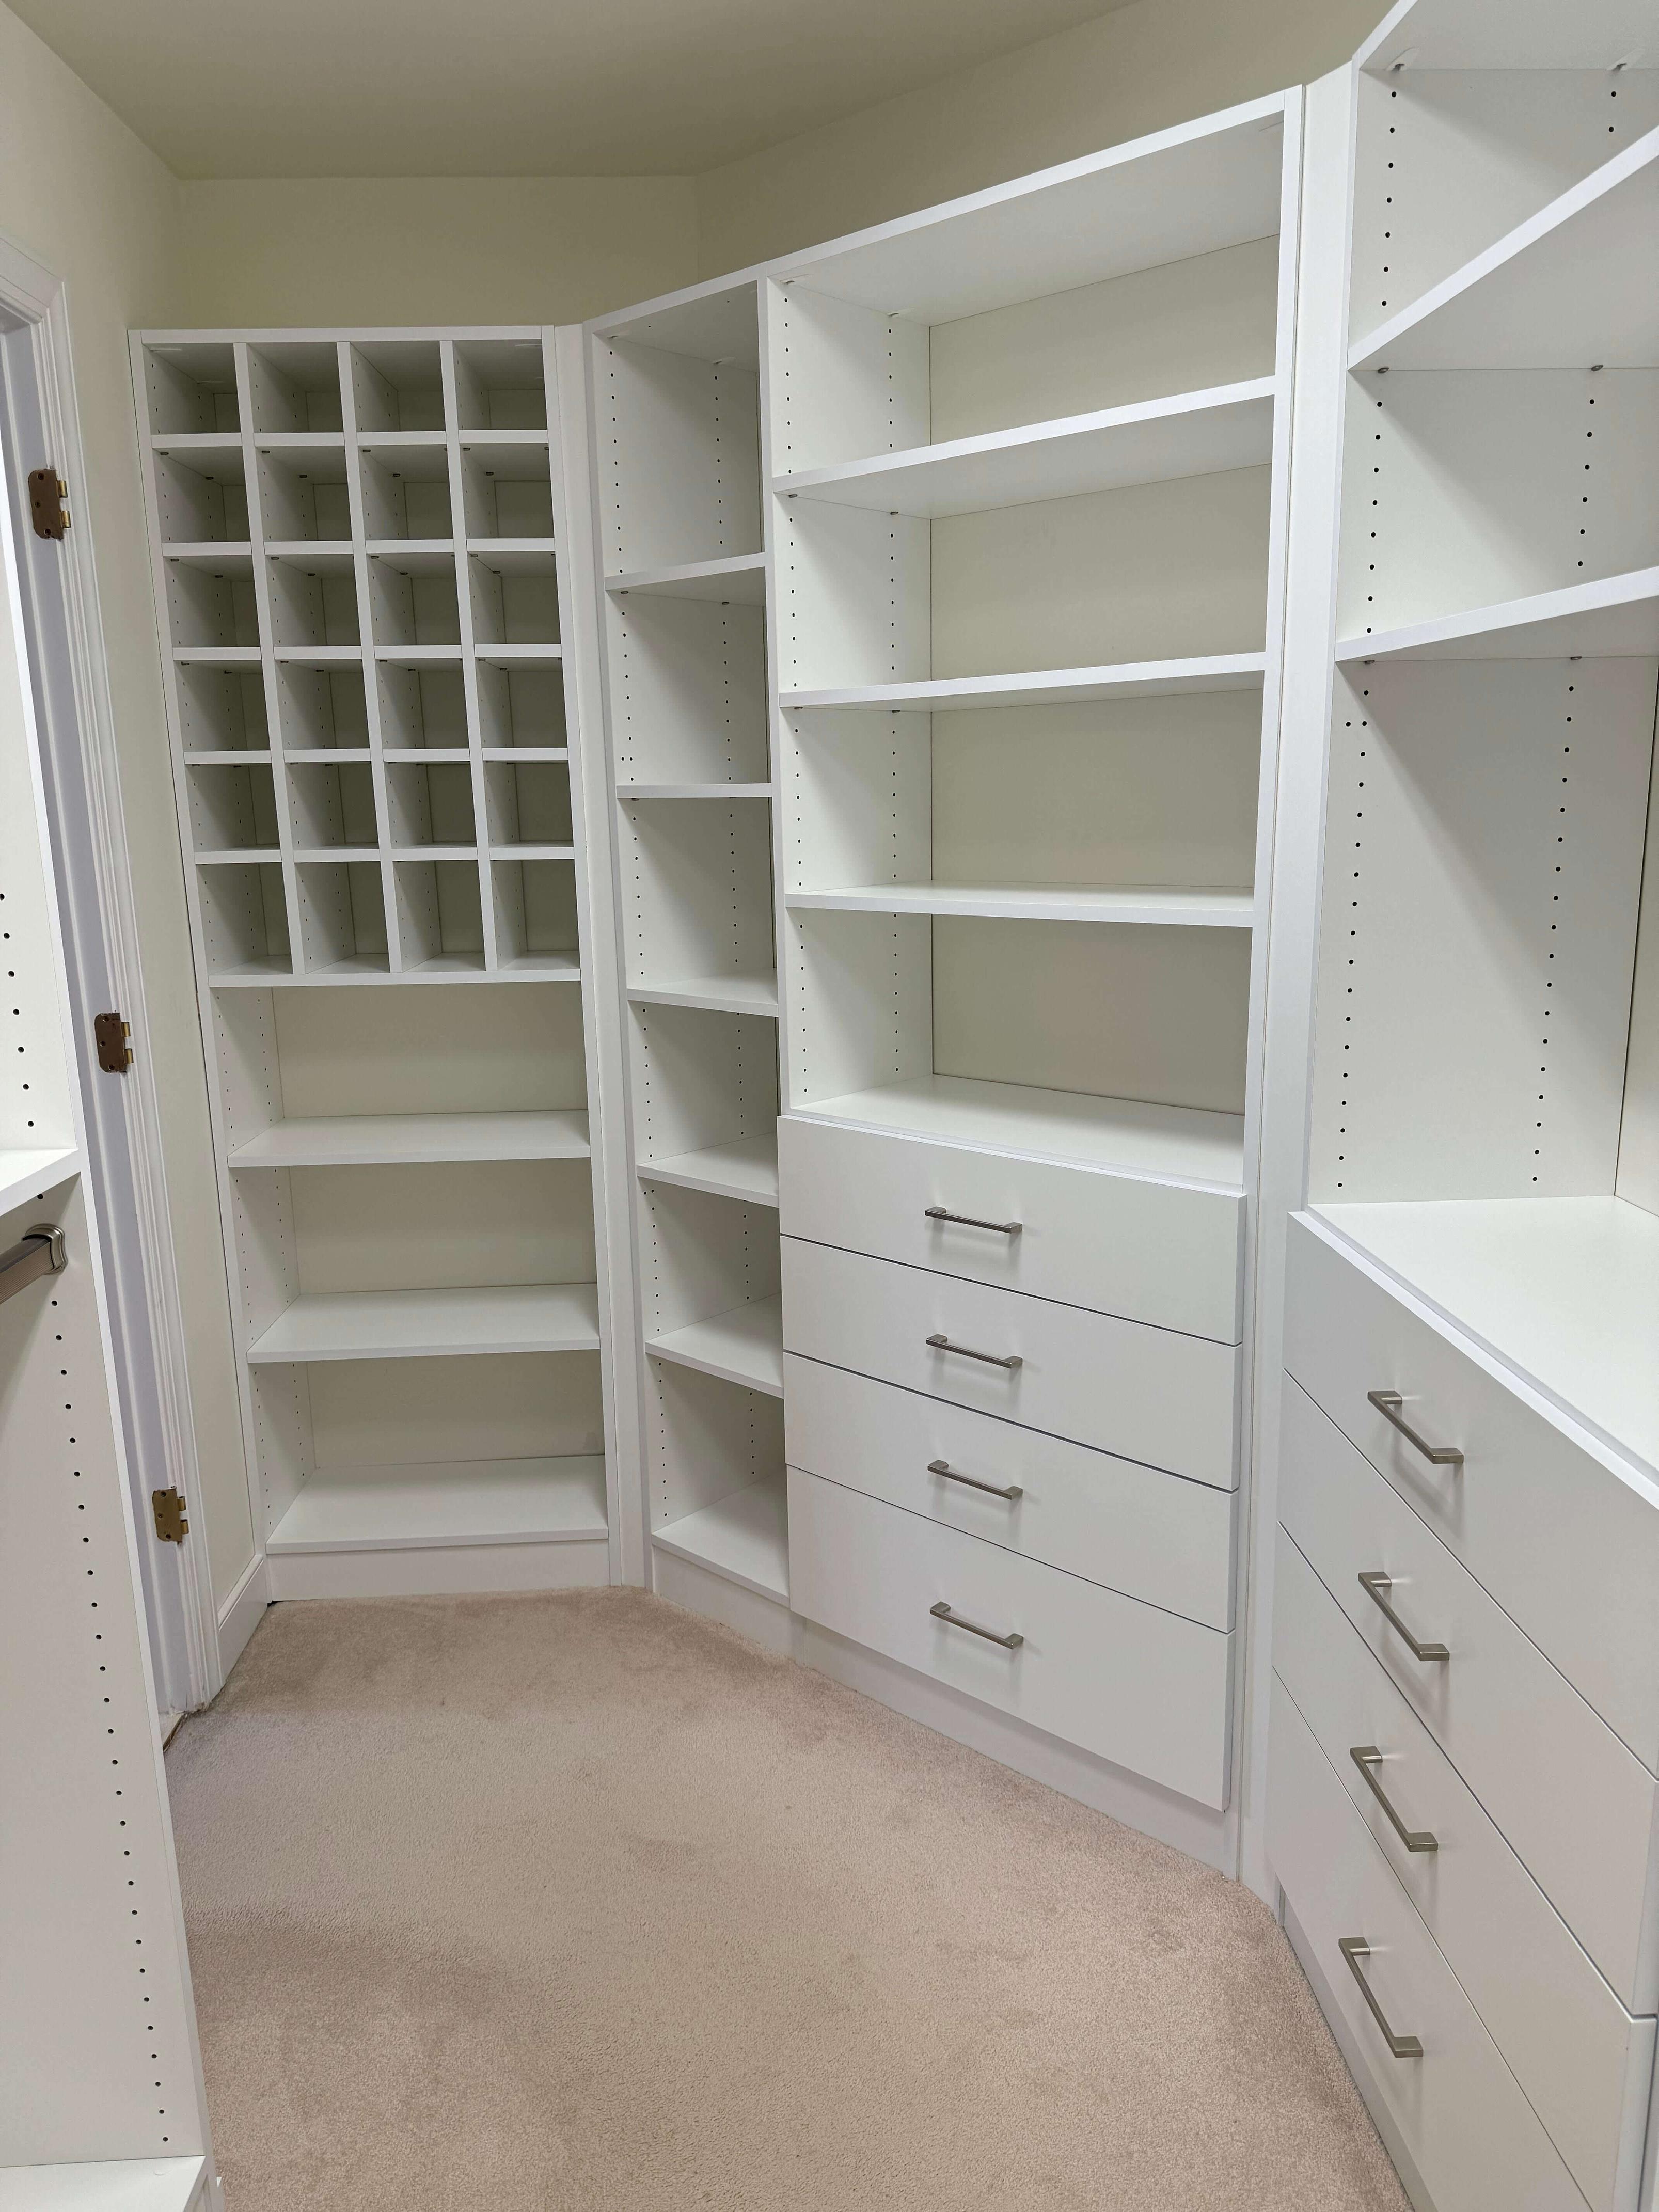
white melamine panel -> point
(1583, 2062)
(710, 1283)
(852, 596)
(1578, 1807)
(1533, 34)
(747, 1169)
(1227, 671)
(678, 440)
(446, 1503)
(1149, 1394)
(707, 1439)
(1610, 617)
(742, 1344)
(148, 2184)
(695, 889)
(412, 1413)
(1459, 2110)
(466, 1224)
(375, 1139)
(1164, 909)
(1639, 1134)
(688, 691)
(1141, 1687)
(845, 381)
(734, 579)
(868, 979)
(743, 1536)
(423, 1324)
(438, 1570)
(703, 1085)
(1162, 1252)
(1150, 1535)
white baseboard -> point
(144, 2184)
(699, 1590)
(438, 1570)
(239, 1616)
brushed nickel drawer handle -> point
(1376, 1586)
(1367, 1758)
(1354, 1949)
(1388, 1403)
(1011, 1642)
(1010, 1360)
(1010, 1491)
(972, 1221)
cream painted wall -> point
(1151, 64)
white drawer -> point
(1567, 1546)
(1583, 2062)
(1164, 1253)
(1577, 1807)
(1124, 1681)
(1134, 1528)
(1148, 1393)
(1477, 2142)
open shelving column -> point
(357, 541)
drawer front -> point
(1163, 1253)
(1473, 2137)
(1135, 1529)
(1148, 1393)
(1576, 1806)
(1568, 1548)
(1124, 1681)
(1582, 2062)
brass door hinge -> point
(47, 492)
(110, 1033)
(168, 1508)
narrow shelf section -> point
(739, 581)
(727, 791)
(380, 1140)
(1190, 435)
(1565, 1291)
(747, 1169)
(1612, 618)
(744, 1345)
(430, 1324)
(22, 1173)
(1178, 907)
(744, 1537)
(718, 995)
(410, 1508)
(1183, 1143)
(1050, 687)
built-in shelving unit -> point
(358, 544)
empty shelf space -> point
(425, 1324)
(501, 1501)
(23, 1172)
(744, 1345)
(377, 1139)
(721, 994)
(745, 1170)
(1140, 680)
(1614, 618)
(744, 1537)
(740, 581)
(1177, 906)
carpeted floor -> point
(579, 1903)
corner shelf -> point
(719, 994)
(1173, 908)
(743, 1536)
(744, 1345)
(1144, 679)
(747, 1169)
(1612, 618)
(739, 580)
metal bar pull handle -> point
(1009, 1360)
(1376, 1586)
(1388, 1403)
(41, 1253)
(1011, 1642)
(972, 1221)
(942, 1467)
(1354, 1949)
(1367, 1758)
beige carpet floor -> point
(580, 1904)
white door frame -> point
(68, 674)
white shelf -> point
(1042, 687)
(25, 1173)
(1612, 618)
(413, 1507)
(136, 2185)
(1563, 290)
(1192, 434)
(1176, 907)
(453, 968)
(719, 995)
(739, 580)
(212, 554)
(379, 1139)
(727, 791)
(545, 655)
(1565, 1291)
(746, 1170)
(1179, 1143)
(744, 1537)
(428, 1324)
(744, 1345)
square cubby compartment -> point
(342, 916)
(688, 680)
(535, 915)
(211, 600)
(522, 707)
(681, 473)
(705, 1097)
(295, 388)
(222, 710)
(189, 390)
(414, 599)
(440, 914)
(695, 885)
(508, 490)
(423, 705)
(430, 805)
(529, 802)
(231, 809)
(406, 491)
(303, 494)
(244, 919)
(398, 384)
(332, 802)
(313, 599)
(322, 709)
(202, 497)
(515, 598)
(500, 384)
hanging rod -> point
(41, 1253)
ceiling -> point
(511, 87)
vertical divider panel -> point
(267, 666)
(371, 664)
(469, 659)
